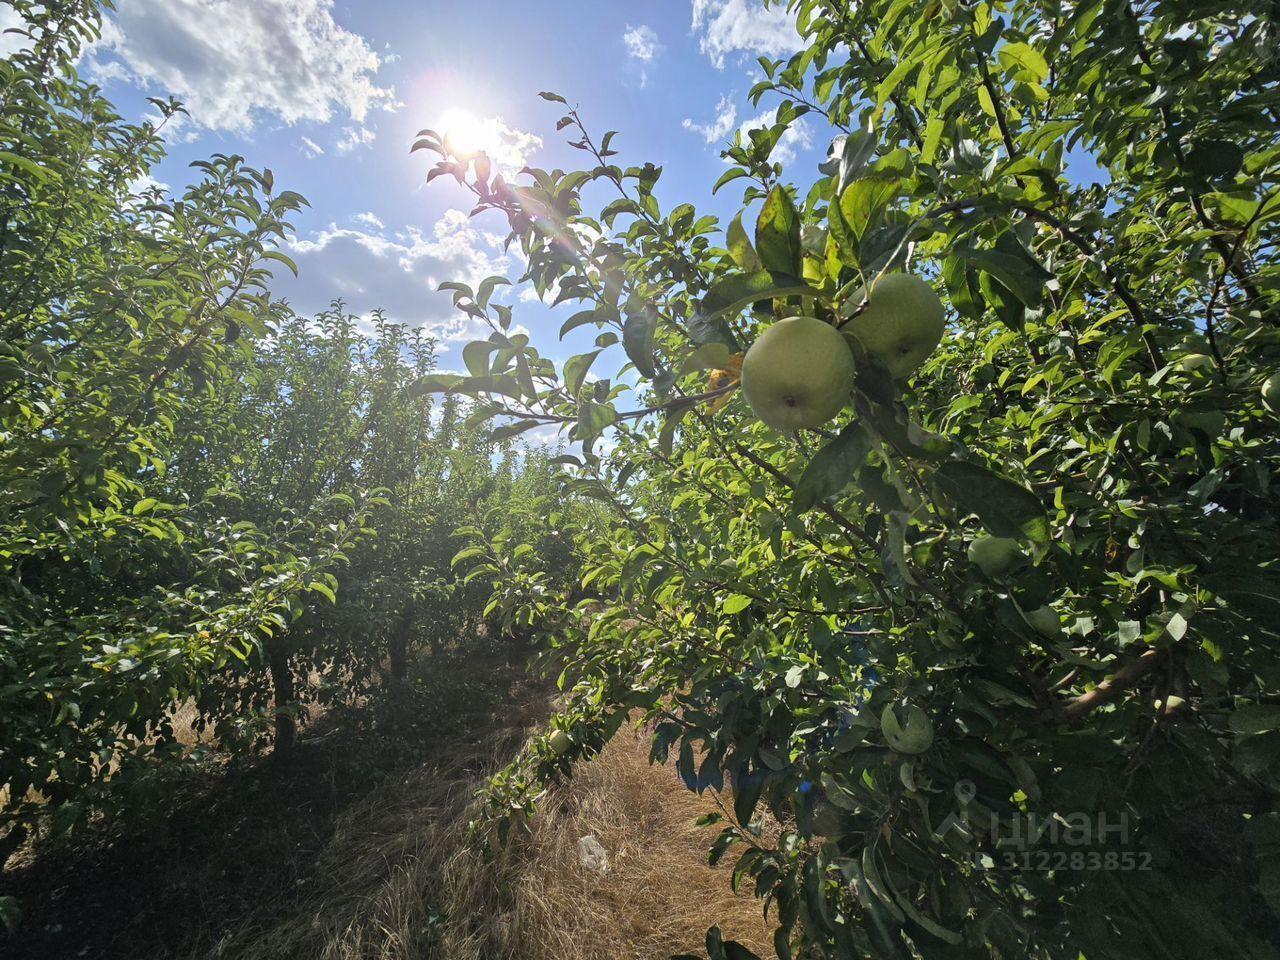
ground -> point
(357, 848)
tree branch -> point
(1080, 707)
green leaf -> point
(581, 318)
(960, 289)
(575, 371)
(1005, 508)
(731, 294)
(594, 419)
(467, 553)
(778, 234)
(729, 176)
(1215, 159)
(735, 603)
(279, 257)
(27, 166)
(704, 330)
(1021, 274)
(855, 153)
(675, 413)
(324, 590)
(945, 934)
(740, 248)
(876, 884)
(637, 340)
(1024, 62)
(435, 383)
(507, 431)
(746, 794)
(832, 467)
(733, 950)
(864, 201)
(486, 288)
(476, 357)
(709, 356)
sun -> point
(465, 133)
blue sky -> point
(329, 94)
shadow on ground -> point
(245, 838)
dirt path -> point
(350, 853)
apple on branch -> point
(900, 325)
(798, 374)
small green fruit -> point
(995, 556)
(1271, 393)
(559, 743)
(1193, 363)
(1045, 622)
(798, 374)
(902, 323)
(911, 732)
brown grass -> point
(399, 881)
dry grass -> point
(398, 879)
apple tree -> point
(1026, 576)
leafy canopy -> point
(795, 617)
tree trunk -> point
(282, 683)
(399, 652)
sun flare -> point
(466, 133)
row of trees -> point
(204, 498)
(804, 619)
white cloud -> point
(530, 295)
(508, 148)
(369, 219)
(311, 148)
(744, 26)
(11, 43)
(400, 273)
(642, 47)
(353, 137)
(231, 61)
(641, 42)
(145, 183)
(797, 137)
(717, 129)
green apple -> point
(995, 555)
(798, 374)
(1045, 621)
(559, 743)
(912, 733)
(901, 324)
(1193, 363)
(1271, 393)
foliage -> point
(116, 307)
(205, 500)
(334, 405)
(796, 615)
